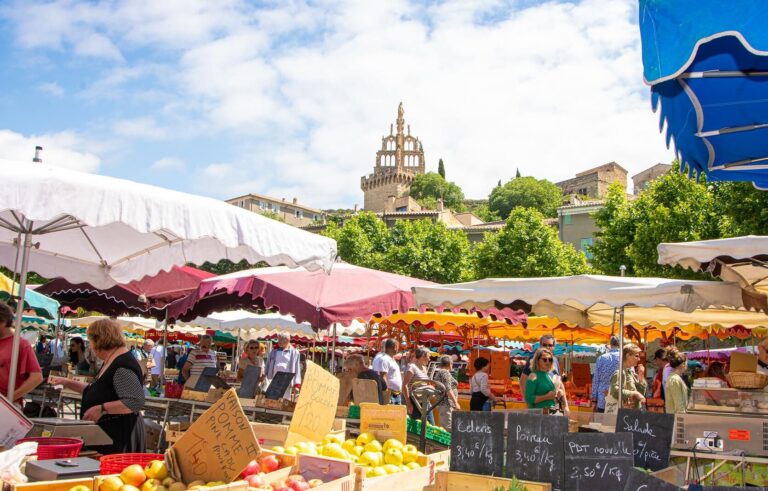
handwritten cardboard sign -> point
(384, 422)
(652, 436)
(365, 391)
(316, 406)
(218, 446)
(13, 424)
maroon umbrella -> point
(145, 297)
(347, 293)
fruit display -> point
(294, 482)
(379, 458)
(152, 477)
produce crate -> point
(62, 485)
(193, 395)
(440, 460)
(174, 431)
(414, 480)
(461, 481)
(338, 475)
(354, 412)
(276, 434)
(234, 486)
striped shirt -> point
(199, 360)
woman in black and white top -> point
(416, 372)
(115, 397)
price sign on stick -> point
(218, 446)
(316, 407)
(535, 447)
(384, 422)
(477, 442)
(652, 434)
(597, 460)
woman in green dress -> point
(540, 389)
(635, 385)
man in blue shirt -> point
(606, 366)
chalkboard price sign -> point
(535, 447)
(652, 436)
(597, 460)
(204, 382)
(640, 481)
(250, 382)
(477, 442)
(279, 385)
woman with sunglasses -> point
(635, 385)
(541, 391)
(254, 355)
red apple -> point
(280, 486)
(252, 468)
(269, 463)
(298, 485)
(255, 480)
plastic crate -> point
(49, 447)
(354, 412)
(115, 463)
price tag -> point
(742, 435)
(384, 422)
(315, 408)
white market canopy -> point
(258, 326)
(742, 259)
(571, 297)
(102, 230)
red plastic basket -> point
(49, 447)
(173, 390)
(115, 463)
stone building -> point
(576, 224)
(641, 180)
(400, 158)
(594, 182)
(291, 212)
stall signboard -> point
(279, 385)
(384, 422)
(477, 442)
(316, 407)
(597, 460)
(250, 383)
(641, 481)
(365, 391)
(205, 380)
(535, 447)
(652, 436)
(218, 446)
(13, 424)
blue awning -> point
(707, 64)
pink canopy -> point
(347, 293)
(147, 296)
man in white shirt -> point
(157, 359)
(58, 348)
(284, 358)
(386, 366)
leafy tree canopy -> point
(526, 248)
(526, 192)
(433, 185)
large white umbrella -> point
(104, 231)
(742, 259)
(574, 296)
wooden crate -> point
(193, 395)
(440, 460)
(275, 434)
(340, 473)
(174, 431)
(414, 480)
(62, 485)
(461, 481)
(234, 486)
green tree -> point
(225, 266)
(526, 248)
(433, 185)
(674, 208)
(430, 251)
(441, 168)
(484, 213)
(32, 277)
(743, 208)
(526, 192)
(362, 240)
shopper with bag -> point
(634, 383)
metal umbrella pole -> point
(333, 352)
(19, 313)
(621, 356)
(165, 349)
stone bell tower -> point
(400, 158)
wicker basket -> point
(747, 380)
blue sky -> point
(291, 98)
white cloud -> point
(144, 128)
(169, 164)
(61, 149)
(52, 88)
(551, 89)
